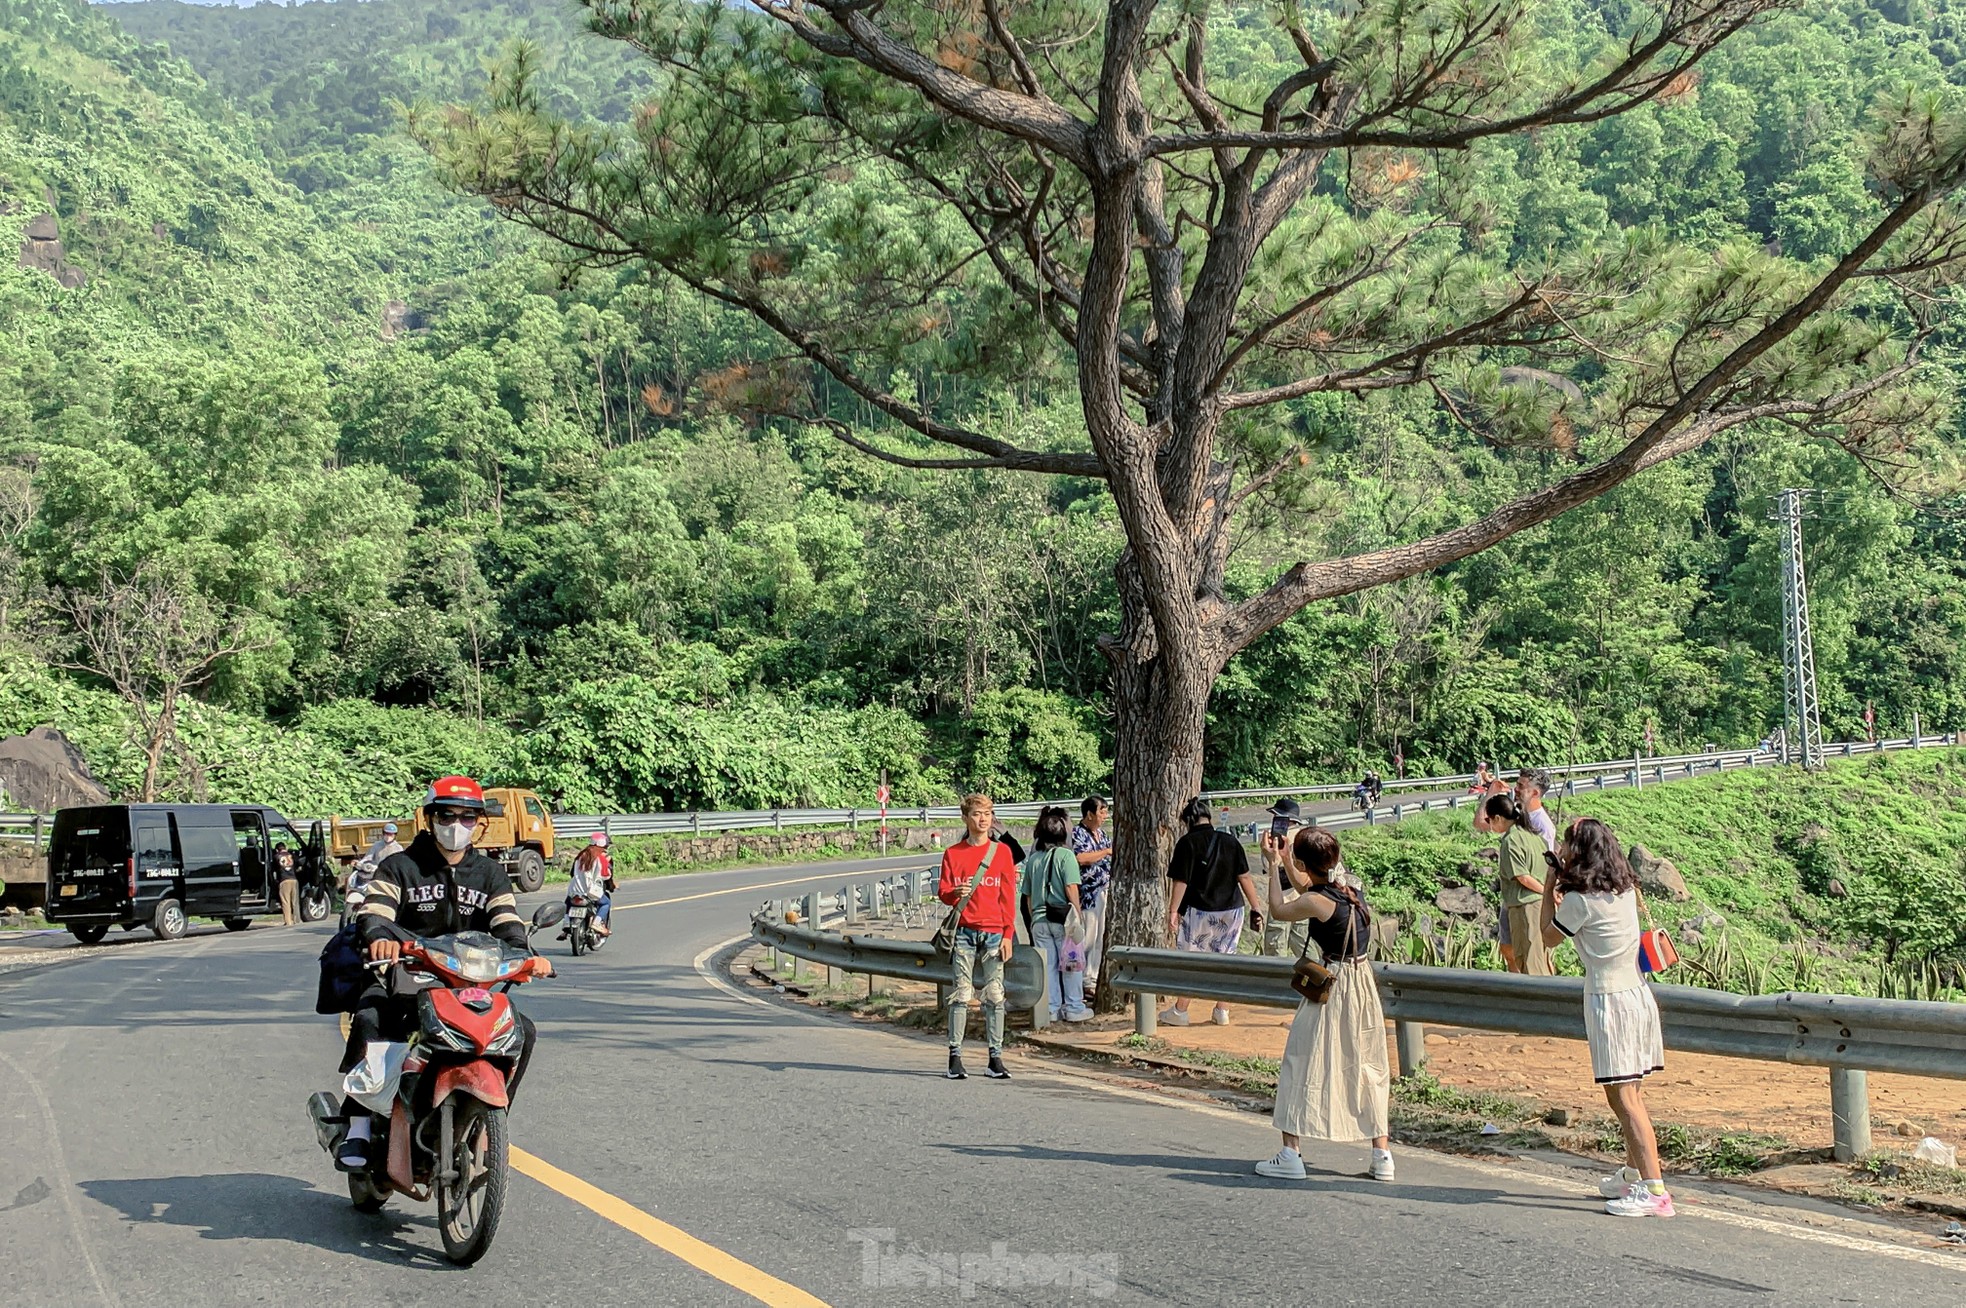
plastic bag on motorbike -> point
(373, 1082)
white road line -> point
(704, 970)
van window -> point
(154, 847)
(206, 840)
(90, 838)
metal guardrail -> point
(1577, 778)
(1848, 1034)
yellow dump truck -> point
(518, 832)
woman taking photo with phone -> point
(1334, 1081)
(1591, 898)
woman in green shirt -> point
(1521, 865)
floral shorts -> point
(1210, 933)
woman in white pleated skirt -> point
(1334, 1083)
(1591, 899)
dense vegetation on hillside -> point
(443, 497)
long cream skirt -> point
(1334, 1082)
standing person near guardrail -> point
(977, 872)
(1213, 893)
(1334, 1083)
(1050, 879)
(1285, 939)
(1530, 783)
(1517, 864)
(1591, 898)
(1094, 849)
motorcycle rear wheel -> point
(468, 1209)
(363, 1194)
(578, 937)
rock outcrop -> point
(1657, 876)
(41, 772)
(41, 250)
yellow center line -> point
(705, 1258)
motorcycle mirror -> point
(547, 915)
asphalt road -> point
(701, 1144)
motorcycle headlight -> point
(477, 963)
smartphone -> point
(1279, 827)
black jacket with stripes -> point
(416, 893)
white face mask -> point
(454, 835)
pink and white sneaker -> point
(1639, 1201)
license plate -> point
(69, 890)
(475, 995)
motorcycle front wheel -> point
(468, 1208)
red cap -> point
(461, 792)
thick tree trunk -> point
(1158, 724)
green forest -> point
(384, 486)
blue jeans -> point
(977, 952)
(601, 909)
(1066, 986)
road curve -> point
(697, 1146)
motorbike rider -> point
(593, 878)
(372, 858)
(1368, 789)
(438, 886)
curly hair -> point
(1592, 861)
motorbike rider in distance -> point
(1366, 793)
(593, 878)
(440, 885)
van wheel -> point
(237, 923)
(315, 903)
(169, 921)
(529, 873)
(89, 935)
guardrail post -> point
(1915, 742)
(1411, 1037)
(38, 820)
(1399, 812)
(696, 824)
(1146, 1020)
(1849, 1106)
(812, 909)
(1846, 749)
(850, 903)
(853, 819)
(778, 819)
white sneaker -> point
(1615, 1185)
(1220, 1016)
(1174, 1017)
(1287, 1165)
(1083, 1015)
(1382, 1164)
(1639, 1201)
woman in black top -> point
(1334, 1083)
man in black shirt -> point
(440, 885)
(1211, 896)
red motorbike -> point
(445, 1135)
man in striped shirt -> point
(439, 886)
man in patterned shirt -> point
(1094, 849)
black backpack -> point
(343, 977)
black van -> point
(160, 865)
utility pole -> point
(1801, 718)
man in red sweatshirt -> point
(984, 932)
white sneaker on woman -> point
(1174, 1017)
(1220, 1016)
(1639, 1201)
(1382, 1164)
(1288, 1165)
(1615, 1185)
